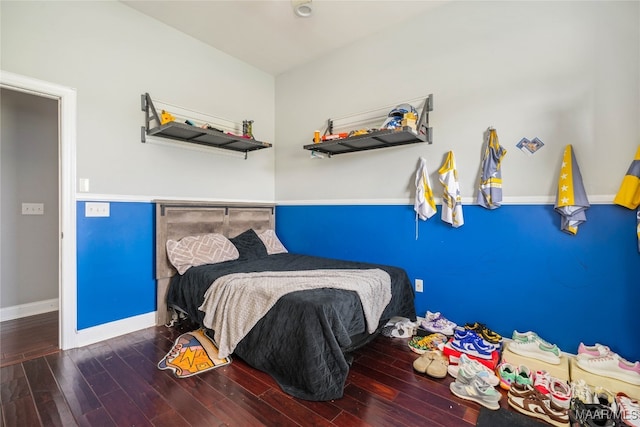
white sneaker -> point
(612, 366)
(536, 349)
(435, 322)
(473, 368)
(581, 391)
(629, 410)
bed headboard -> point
(177, 219)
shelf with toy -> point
(165, 125)
(401, 127)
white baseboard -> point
(29, 309)
(114, 329)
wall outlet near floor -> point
(418, 285)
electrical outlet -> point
(96, 209)
(418, 285)
(33, 209)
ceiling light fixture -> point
(302, 8)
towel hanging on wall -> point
(490, 191)
(629, 192)
(424, 205)
(451, 200)
(571, 198)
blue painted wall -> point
(116, 263)
(510, 268)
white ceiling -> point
(268, 35)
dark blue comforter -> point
(302, 341)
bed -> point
(305, 338)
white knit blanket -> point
(234, 303)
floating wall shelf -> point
(379, 139)
(193, 134)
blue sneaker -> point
(471, 343)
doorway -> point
(65, 277)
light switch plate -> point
(33, 209)
(96, 209)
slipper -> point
(421, 364)
(438, 367)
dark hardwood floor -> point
(117, 383)
(28, 337)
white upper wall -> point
(565, 72)
(111, 54)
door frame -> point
(67, 271)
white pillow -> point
(192, 251)
(272, 243)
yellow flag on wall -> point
(571, 198)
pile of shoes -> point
(600, 407)
(475, 382)
(477, 342)
(600, 360)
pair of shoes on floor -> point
(531, 402)
(486, 333)
(421, 345)
(432, 363)
(470, 386)
(557, 390)
(529, 344)
(511, 376)
(629, 410)
(472, 368)
(470, 342)
(600, 360)
(399, 327)
(436, 322)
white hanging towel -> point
(490, 191)
(451, 200)
(424, 205)
(571, 198)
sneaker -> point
(612, 366)
(486, 333)
(506, 375)
(560, 393)
(430, 342)
(471, 343)
(435, 322)
(477, 391)
(536, 348)
(530, 336)
(581, 391)
(596, 350)
(629, 410)
(534, 404)
(472, 368)
(404, 329)
(524, 378)
(542, 382)
(605, 397)
(591, 414)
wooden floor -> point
(28, 337)
(116, 383)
